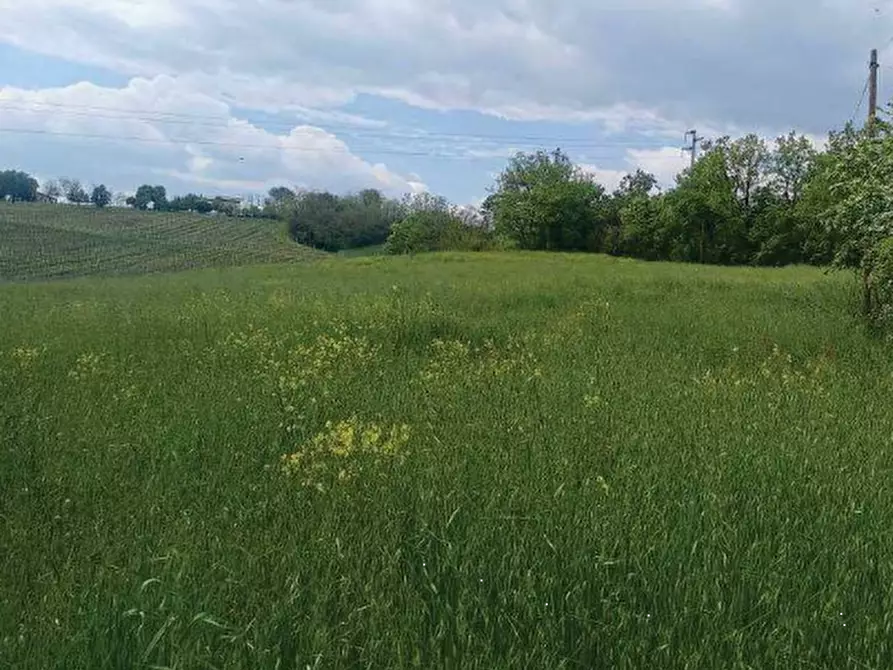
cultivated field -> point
(52, 241)
(459, 461)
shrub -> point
(436, 230)
(879, 264)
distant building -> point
(43, 197)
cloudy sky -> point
(235, 96)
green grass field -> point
(55, 241)
(454, 461)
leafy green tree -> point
(371, 197)
(432, 224)
(784, 227)
(703, 216)
(639, 184)
(633, 189)
(225, 206)
(419, 232)
(191, 202)
(18, 186)
(101, 196)
(280, 201)
(642, 230)
(791, 165)
(330, 222)
(861, 215)
(776, 232)
(279, 194)
(820, 241)
(747, 160)
(147, 196)
(543, 201)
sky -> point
(236, 96)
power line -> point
(861, 99)
(244, 145)
(225, 122)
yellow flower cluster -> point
(328, 353)
(452, 358)
(25, 356)
(301, 375)
(777, 371)
(344, 451)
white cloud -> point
(608, 178)
(604, 67)
(164, 127)
(611, 62)
(664, 163)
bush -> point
(879, 285)
(436, 230)
(333, 223)
(419, 232)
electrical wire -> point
(861, 100)
(468, 155)
(175, 118)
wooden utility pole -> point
(694, 145)
(872, 87)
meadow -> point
(453, 461)
(63, 241)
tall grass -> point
(519, 461)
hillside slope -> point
(55, 241)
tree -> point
(191, 202)
(73, 190)
(143, 197)
(330, 222)
(861, 214)
(746, 161)
(791, 165)
(819, 241)
(637, 184)
(702, 215)
(159, 198)
(371, 197)
(146, 196)
(52, 189)
(101, 196)
(225, 206)
(280, 194)
(18, 186)
(433, 224)
(633, 188)
(419, 232)
(543, 201)
(641, 231)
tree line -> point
(18, 186)
(743, 202)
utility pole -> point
(872, 87)
(694, 145)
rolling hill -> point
(57, 241)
